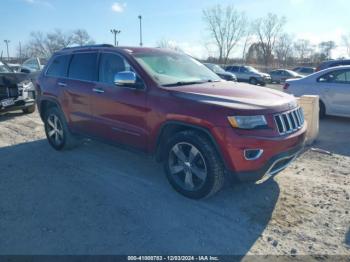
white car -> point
(332, 85)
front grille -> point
(290, 121)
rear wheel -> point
(57, 131)
(29, 109)
(193, 167)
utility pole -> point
(115, 32)
(20, 51)
(140, 18)
(7, 47)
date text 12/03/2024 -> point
(173, 258)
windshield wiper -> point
(182, 83)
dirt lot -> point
(99, 199)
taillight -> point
(285, 87)
(318, 69)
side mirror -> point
(25, 70)
(125, 78)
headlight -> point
(248, 122)
(26, 85)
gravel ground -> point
(99, 199)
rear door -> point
(335, 87)
(78, 88)
(119, 111)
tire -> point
(62, 138)
(209, 176)
(322, 110)
(29, 109)
(253, 81)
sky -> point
(178, 21)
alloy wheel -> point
(187, 166)
(55, 130)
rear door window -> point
(58, 66)
(83, 67)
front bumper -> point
(278, 152)
(265, 80)
(26, 100)
(275, 165)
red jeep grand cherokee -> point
(170, 105)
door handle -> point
(98, 90)
(62, 84)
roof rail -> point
(88, 46)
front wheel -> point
(193, 166)
(29, 109)
(57, 131)
(253, 81)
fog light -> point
(252, 154)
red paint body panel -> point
(135, 117)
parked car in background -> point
(33, 67)
(333, 63)
(17, 92)
(332, 85)
(303, 70)
(249, 74)
(221, 72)
(34, 64)
(168, 104)
(14, 67)
(281, 75)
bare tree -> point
(346, 43)
(57, 40)
(44, 45)
(303, 49)
(167, 44)
(226, 26)
(268, 29)
(284, 48)
(81, 37)
(326, 48)
(37, 45)
(248, 38)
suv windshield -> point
(175, 69)
(252, 69)
(4, 68)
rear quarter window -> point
(83, 66)
(58, 66)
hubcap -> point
(187, 166)
(54, 129)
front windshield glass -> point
(174, 68)
(4, 68)
(292, 72)
(252, 69)
(218, 69)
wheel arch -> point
(170, 128)
(47, 103)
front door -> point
(119, 111)
(336, 90)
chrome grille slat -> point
(288, 122)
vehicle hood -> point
(7, 79)
(238, 96)
(263, 74)
(226, 74)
